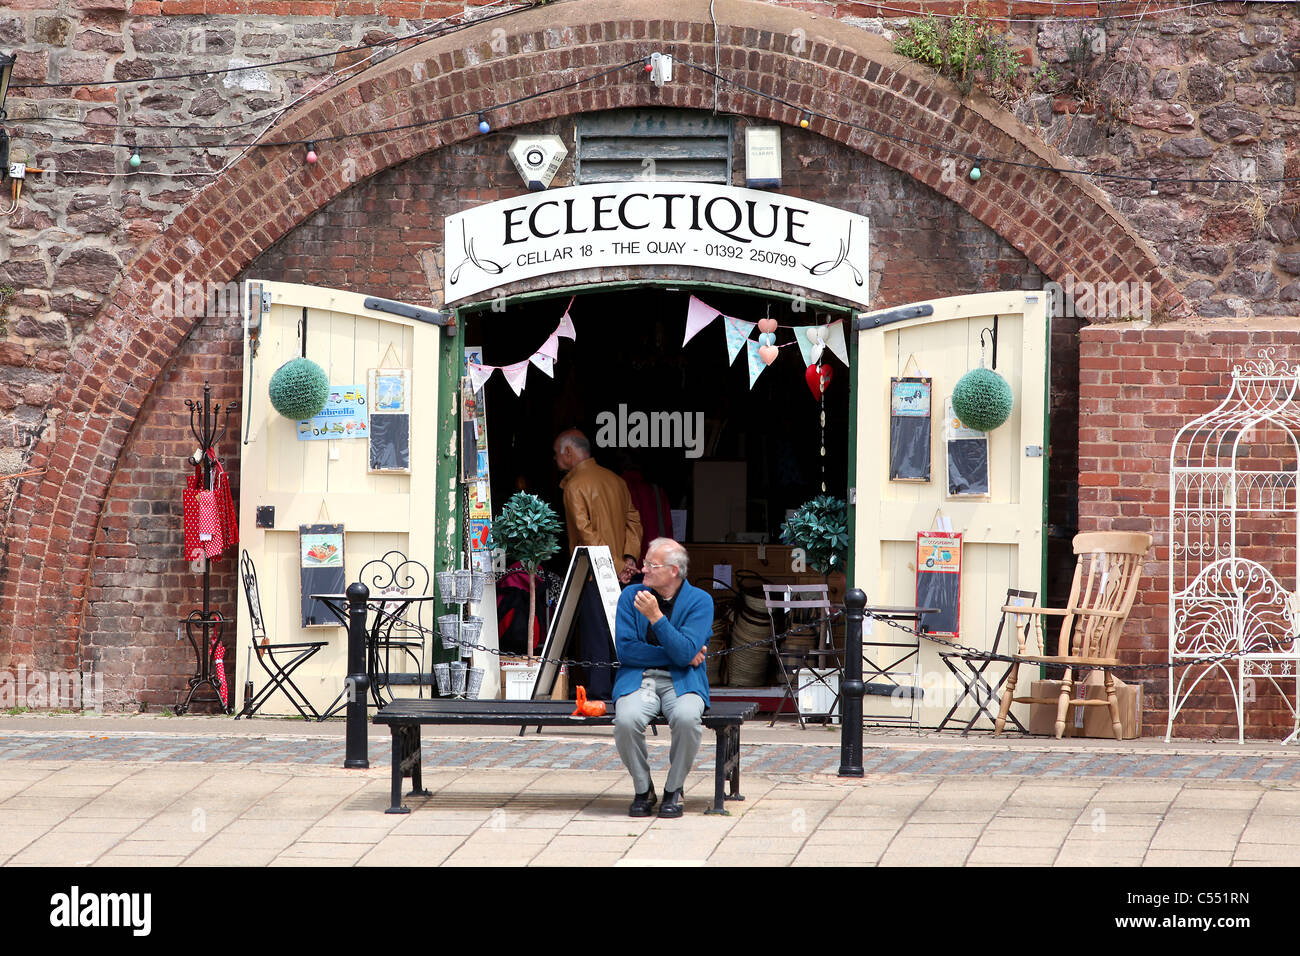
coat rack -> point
(201, 622)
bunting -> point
(516, 375)
(811, 340)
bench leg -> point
(416, 763)
(726, 769)
(399, 739)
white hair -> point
(674, 554)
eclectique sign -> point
(807, 245)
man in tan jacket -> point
(598, 510)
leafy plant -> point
(529, 532)
(7, 292)
(966, 49)
(820, 527)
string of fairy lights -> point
(481, 116)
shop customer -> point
(598, 510)
(662, 632)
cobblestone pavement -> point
(555, 752)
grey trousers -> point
(633, 713)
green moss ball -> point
(982, 399)
(299, 389)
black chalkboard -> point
(968, 466)
(390, 443)
(938, 582)
(909, 429)
(321, 570)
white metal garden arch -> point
(1233, 501)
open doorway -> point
(673, 413)
(729, 459)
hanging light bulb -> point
(483, 125)
(975, 173)
(805, 120)
(311, 154)
(1154, 191)
(134, 161)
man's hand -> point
(645, 603)
(698, 659)
(628, 570)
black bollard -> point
(358, 686)
(852, 688)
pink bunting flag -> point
(698, 315)
(478, 374)
(551, 347)
(516, 375)
(566, 329)
(545, 362)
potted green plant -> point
(820, 528)
(529, 532)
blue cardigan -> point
(680, 634)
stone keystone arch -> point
(1061, 223)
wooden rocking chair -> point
(1106, 580)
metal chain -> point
(772, 640)
(1009, 659)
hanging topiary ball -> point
(982, 399)
(299, 389)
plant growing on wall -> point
(529, 532)
(7, 292)
(820, 528)
(967, 49)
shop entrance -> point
(697, 443)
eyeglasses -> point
(650, 566)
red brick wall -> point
(140, 587)
(1137, 387)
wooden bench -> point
(404, 717)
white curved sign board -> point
(754, 232)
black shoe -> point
(643, 803)
(673, 806)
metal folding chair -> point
(278, 660)
(804, 604)
(969, 670)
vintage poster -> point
(344, 416)
(938, 581)
(390, 421)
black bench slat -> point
(405, 716)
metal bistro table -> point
(907, 651)
(387, 610)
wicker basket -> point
(748, 667)
(715, 664)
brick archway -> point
(1060, 223)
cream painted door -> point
(1002, 534)
(327, 482)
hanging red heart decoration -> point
(767, 325)
(818, 378)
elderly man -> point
(598, 511)
(662, 632)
